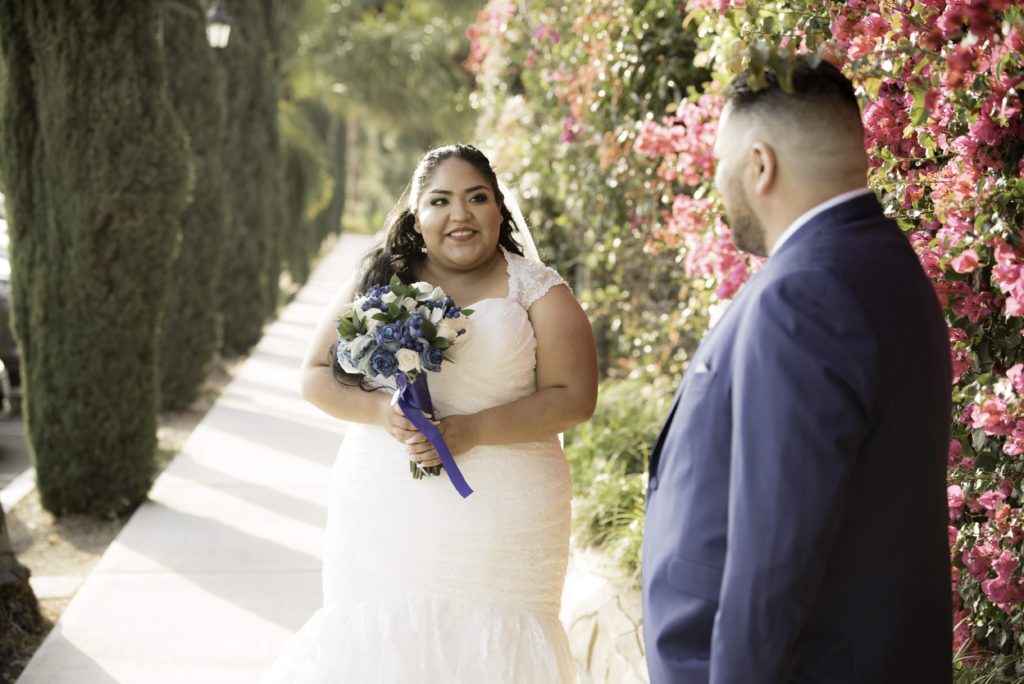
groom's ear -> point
(763, 166)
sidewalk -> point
(211, 576)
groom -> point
(796, 518)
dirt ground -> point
(61, 552)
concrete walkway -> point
(212, 575)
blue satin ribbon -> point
(414, 400)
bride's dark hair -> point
(403, 248)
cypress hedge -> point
(252, 254)
(309, 186)
(191, 335)
(336, 141)
(96, 167)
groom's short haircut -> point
(821, 94)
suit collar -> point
(846, 208)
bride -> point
(420, 585)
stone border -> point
(17, 489)
(601, 610)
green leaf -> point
(978, 439)
(346, 329)
(986, 462)
(919, 110)
(441, 343)
(429, 331)
(394, 310)
(782, 65)
(466, 312)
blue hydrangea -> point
(374, 298)
(414, 325)
(454, 312)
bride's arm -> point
(566, 382)
(321, 388)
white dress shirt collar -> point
(805, 217)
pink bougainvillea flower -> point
(990, 499)
(978, 559)
(955, 499)
(1015, 375)
(991, 417)
(1014, 445)
(974, 306)
(966, 261)
(1004, 592)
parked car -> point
(9, 354)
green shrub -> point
(608, 457)
(998, 669)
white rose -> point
(388, 297)
(410, 304)
(424, 288)
(408, 361)
(448, 329)
(371, 322)
(435, 315)
(437, 294)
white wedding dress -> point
(422, 586)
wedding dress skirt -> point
(422, 586)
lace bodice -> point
(529, 280)
(497, 363)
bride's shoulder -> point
(530, 280)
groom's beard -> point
(747, 230)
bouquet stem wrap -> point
(414, 400)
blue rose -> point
(383, 363)
(389, 336)
(432, 358)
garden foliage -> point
(617, 154)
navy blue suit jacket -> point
(796, 517)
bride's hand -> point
(401, 429)
(458, 433)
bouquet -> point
(403, 332)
